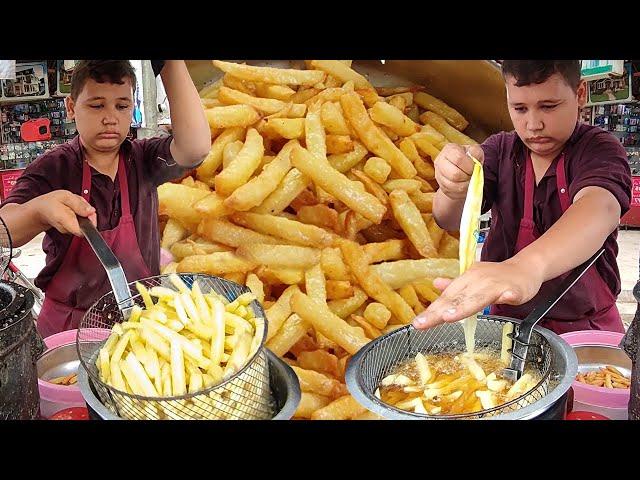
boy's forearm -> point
(191, 133)
(22, 221)
(447, 212)
(576, 236)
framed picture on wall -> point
(611, 89)
(63, 76)
(30, 83)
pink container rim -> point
(589, 394)
(58, 393)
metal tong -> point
(112, 266)
(521, 341)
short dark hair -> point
(527, 72)
(102, 71)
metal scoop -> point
(112, 266)
(522, 339)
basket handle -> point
(109, 261)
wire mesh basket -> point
(245, 395)
(383, 356)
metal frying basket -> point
(245, 395)
(382, 356)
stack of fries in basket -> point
(317, 195)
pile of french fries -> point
(184, 342)
(607, 377)
(317, 195)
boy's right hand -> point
(454, 168)
(59, 209)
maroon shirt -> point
(149, 164)
(593, 157)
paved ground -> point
(32, 257)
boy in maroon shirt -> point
(556, 189)
(102, 175)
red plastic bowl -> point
(585, 416)
(73, 413)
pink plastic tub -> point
(595, 349)
(54, 398)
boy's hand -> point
(485, 283)
(454, 168)
(58, 209)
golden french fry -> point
(289, 128)
(254, 192)
(339, 289)
(279, 92)
(217, 263)
(292, 330)
(409, 185)
(289, 188)
(271, 75)
(176, 200)
(373, 137)
(337, 144)
(333, 119)
(384, 251)
(256, 287)
(280, 311)
(341, 409)
(315, 284)
(338, 185)
(372, 187)
(316, 382)
(274, 275)
(377, 314)
(326, 322)
(402, 272)
(214, 159)
(343, 162)
(343, 308)
(227, 233)
(230, 152)
(452, 116)
(372, 283)
(231, 116)
(320, 361)
(173, 232)
(422, 200)
(287, 256)
(230, 96)
(389, 116)
(212, 205)
(243, 165)
(178, 381)
(291, 230)
(449, 246)
(378, 169)
(237, 84)
(412, 223)
(211, 90)
(342, 72)
(441, 125)
(309, 403)
(369, 330)
(319, 215)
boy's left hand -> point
(485, 283)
